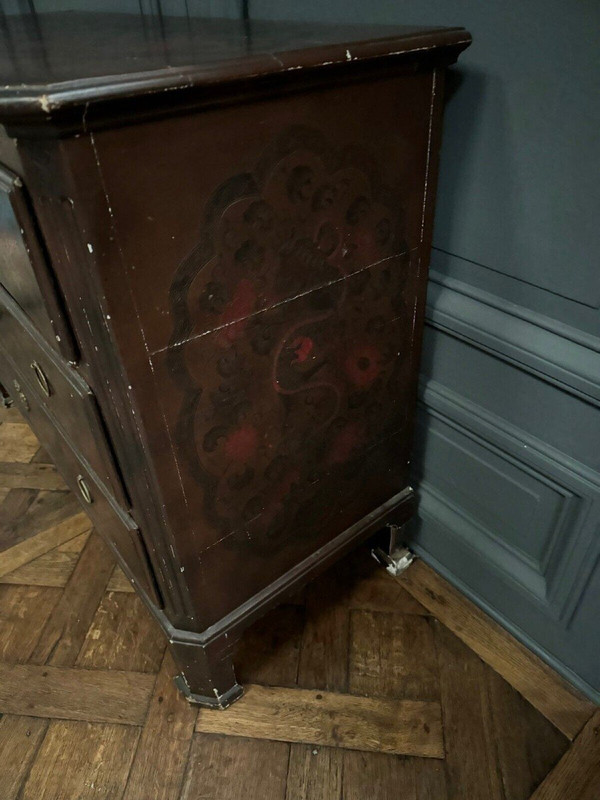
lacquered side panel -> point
(270, 260)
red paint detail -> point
(346, 441)
(241, 305)
(278, 495)
(241, 444)
(303, 347)
(362, 366)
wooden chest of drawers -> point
(213, 264)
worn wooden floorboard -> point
(411, 727)
(230, 768)
(559, 702)
(355, 689)
(81, 760)
(79, 694)
(20, 738)
(65, 631)
(163, 749)
(577, 774)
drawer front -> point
(63, 393)
(24, 271)
(111, 521)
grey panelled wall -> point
(508, 440)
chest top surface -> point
(68, 65)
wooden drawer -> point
(60, 389)
(24, 270)
(113, 522)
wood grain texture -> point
(45, 510)
(527, 745)
(269, 651)
(559, 702)
(325, 718)
(394, 656)
(231, 768)
(315, 773)
(15, 505)
(24, 611)
(81, 761)
(324, 654)
(577, 774)
(79, 694)
(471, 756)
(20, 738)
(42, 542)
(368, 587)
(378, 775)
(30, 476)
(163, 748)
(119, 582)
(122, 636)
(65, 631)
(53, 568)
(17, 442)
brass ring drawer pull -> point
(41, 378)
(84, 489)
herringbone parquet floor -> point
(354, 691)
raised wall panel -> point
(515, 505)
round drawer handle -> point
(84, 489)
(41, 378)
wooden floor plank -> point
(225, 768)
(393, 655)
(24, 611)
(314, 773)
(20, 738)
(47, 510)
(41, 457)
(122, 636)
(528, 745)
(17, 442)
(53, 568)
(119, 582)
(430, 779)
(330, 719)
(268, 652)
(42, 542)
(378, 776)
(370, 588)
(162, 753)
(9, 414)
(81, 761)
(577, 774)
(559, 702)
(472, 769)
(13, 508)
(65, 631)
(30, 476)
(324, 653)
(79, 694)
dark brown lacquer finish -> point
(216, 331)
(291, 328)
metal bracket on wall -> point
(398, 558)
